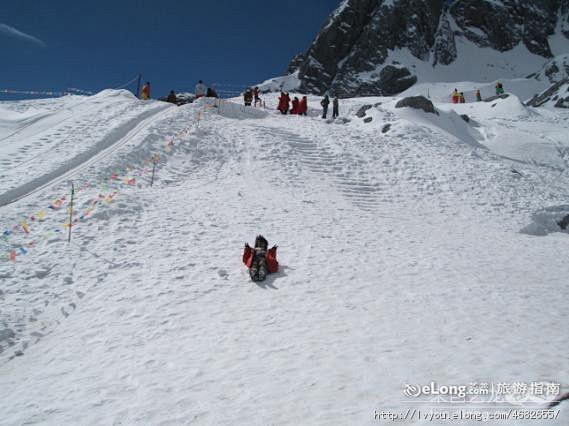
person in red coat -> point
(303, 106)
(259, 260)
(283, 103)
(295, 105)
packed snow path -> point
(402, 262)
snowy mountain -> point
(382, 47)
(415, 247)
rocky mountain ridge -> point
(382, 47)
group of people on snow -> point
(201, 91)
(335, 106)
(458, 97)
(299, 106)
(252, 94)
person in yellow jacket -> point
(145, 94)
(455, 97)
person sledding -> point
(260, 260)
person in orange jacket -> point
(260, 260)
(145, 94)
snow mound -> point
(287, 83)
(230, 109)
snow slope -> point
(402, 262)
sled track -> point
(99, 151)
(362, 192)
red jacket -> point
(303, 106)
(295, 109)
(272, 263)
(283, 103)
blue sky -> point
(95, 44)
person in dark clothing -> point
(172, 97)
(260, 260)
(335, 107)
(248, 97)
(211, 93)
(256, 96)
(325, 102)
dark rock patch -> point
(417, 102)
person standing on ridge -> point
(201, 90)
(325, 102)
(335, 107)
(248, 97)
(478, 95)
(211, 93)
(145, 94)
(172, 98)
(499, 89)
(256, 96)
(461, 98)
(455, 97)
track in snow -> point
(99, 151)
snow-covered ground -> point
(409, 254)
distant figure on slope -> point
(325, 102)
(201, 90)
(172, 97)
(499, 89)
(256, 96)
(211, 93)
(461, 98)
(295, 106)
(260, 260)
(145, 94)
(248, 97)
(478, 96)
(284, 100)
(303, 106)
(455, 97)
(335, 107)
